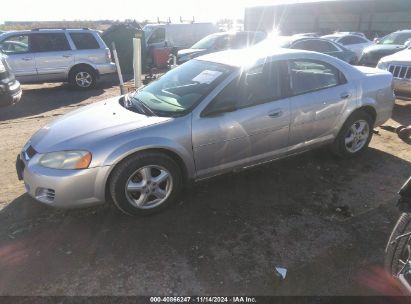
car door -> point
(247, 122)
(20, 57)
(53, 55)
(319, 93)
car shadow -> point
(38, 99)
(402, 112)
(223, 236)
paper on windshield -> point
(207, 76)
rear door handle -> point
(276, 113)
(26, 58)
(67, 56)
(345, 95)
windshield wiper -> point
(138, 106)
(146, 107)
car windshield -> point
(395, 38)
(206, 42)
(179, 90)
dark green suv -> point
(385, 46)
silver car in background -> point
(355, 42)
(77, 56)
(211, 115)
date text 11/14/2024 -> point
(203, 299)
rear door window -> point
(313, 75)
(49, 42)
(316, 46)
(84, 41)
(349, 40)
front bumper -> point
(106, 68)
(63, 188)
(402, 86)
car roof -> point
(258, 53)
(48, 30)
(234, 33)
(340, 35)
(295, 39)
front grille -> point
(50, 194)
(400, 71)
(45, 195)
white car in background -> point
(399, 65)
(352, 41)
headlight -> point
(66, 160)
(382, 65)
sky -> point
(202, 10)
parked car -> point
(219, 42)
(78, 56)
(214, 114)
(320, 45)
(314, 34)
(162, 39)
(399, 64)
(385, 46)
(10, 91)
(354, 42)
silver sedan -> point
(211, 115)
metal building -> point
(369, 16)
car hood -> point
(399, 57)
(383, 49)
(86, 127)
(186, 52)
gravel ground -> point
(324, 219)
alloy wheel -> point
(404, 260)
(84, 79)
(357, 136)
(149, 186)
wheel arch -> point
(79, 65)
(170, 153)
(370, 110)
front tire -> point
(354, 136)
(145, 183)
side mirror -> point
(407, 43)
(224, 107)
(377, 40)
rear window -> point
(84, 41)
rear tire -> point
(145, 183)
(396, 251)
(354, 136)
(83, 77)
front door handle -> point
(345, 95)
(26, 58)
(275, 113)
(67, 56)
